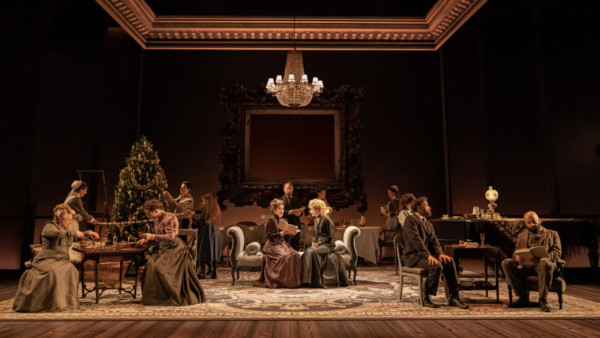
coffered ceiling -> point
(334, 25)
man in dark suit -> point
(292, 210)
(422, 250)
(517, 269)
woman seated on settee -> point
(282, 264)
(169, 276)
(323, 266)
(51, 282)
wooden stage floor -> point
(311, 328)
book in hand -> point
(538, 252)
(289, 228)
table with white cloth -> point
(366, 244)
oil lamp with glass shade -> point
(492, 195)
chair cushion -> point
(414, 271)
(340, 247)
(249, 261)
(253, 248)
(346, 259)
(558, 284)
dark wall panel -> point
(521, 105)
(402, 137)
(571, 47)
(467, 128)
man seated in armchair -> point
(517, 269)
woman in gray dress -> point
(169, 276)
(323, 266)
(51, 282)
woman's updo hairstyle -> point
(153, 205)
(60, 211)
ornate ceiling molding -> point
(153, 31)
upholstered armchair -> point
(247, 258)
(558, 285)
(348, 252)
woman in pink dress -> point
(282, 266)
(169, 276)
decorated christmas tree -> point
(141, 180)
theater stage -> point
(370, 308)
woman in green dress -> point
(51, 282)
(169, 277)
(322, 265)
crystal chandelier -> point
(288, 91)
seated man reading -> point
(518, 268)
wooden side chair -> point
(191, 234)
(386, 243)
(419, 274)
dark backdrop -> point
(291, 146)
(519, 98)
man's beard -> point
(535, 229)
(426, 213)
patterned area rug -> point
(375, 297)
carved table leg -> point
(82, 282)
(96, 280)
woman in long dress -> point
(209, 235)
(169, 276)
(51, 282)
(391, 210)
(75, 201)
(323, 267)
(282, 266)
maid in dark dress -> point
(74, 200)
(209, 235)
(391, 210)
(282, 266)
(323, 267)
(51, 282)
(169, 276)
